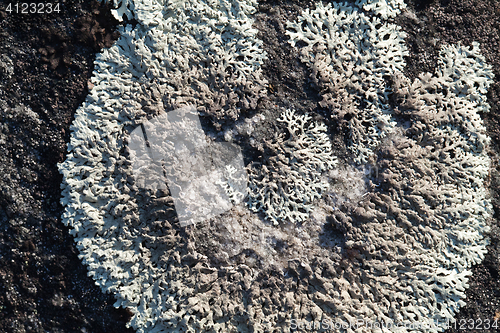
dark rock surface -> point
(46, 61)
(45, 64)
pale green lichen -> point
(202, 53)
(466, 73)
(285, 186)
(351, 55)
(401, 252)
(384, 8)
(426, 224)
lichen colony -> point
(398, 250)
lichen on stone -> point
(397, 249)
(351, 56)
(426, 224)
(466, 73)
(203, 53)
(284, 187)
(384, 8)
(121, 8)
(204, 178)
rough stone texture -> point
(43, 285)
(49, 250)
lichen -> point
(351, 55)
(384, 8)
(195, 52)
(285, 186)
(398, 253)
(202, 53)
(204, 178)
(425, 225)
